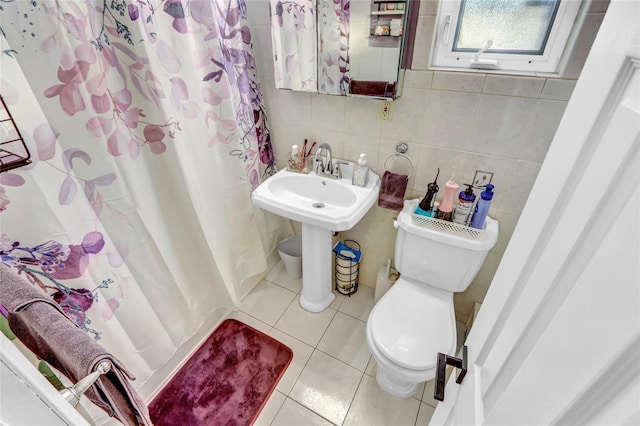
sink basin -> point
(323, 205)
(335, 205)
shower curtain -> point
(310, 41)
(148, 132)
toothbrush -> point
(302, 156)
(310, 149)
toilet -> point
(415, 319)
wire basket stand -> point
(13, 150)
(347, 266)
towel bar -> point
(73, 394)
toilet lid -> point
(412, 323)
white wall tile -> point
(418, 79)
(262, 48)
(538, 135)
(288, 106)
(407, 114)
(327, 112)
(450, 118)
(558, 89)
(501, 167)
(458, 81)
(431, 158)
(500, 123)
(522, 179)
(284, 135)
(361, 116)
(529, 87)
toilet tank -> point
(441, 254)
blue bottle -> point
(482, 208)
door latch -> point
(443, 361)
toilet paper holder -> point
(443, 361)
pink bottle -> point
(445, 211)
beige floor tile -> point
(424, 415)
(304, 325)
(345, 339)
(294, 414)
(270, 409)
(373, 406)
(278, 275)
(301, 354)
(249, 320)
(359, 304)
(267, 302)
(326, 386)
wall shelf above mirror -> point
(340, 47)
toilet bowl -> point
(415, 319)
(406, 330)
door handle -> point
(443, 361)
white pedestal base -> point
(317, 293)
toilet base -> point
(395, 386)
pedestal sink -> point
(323, 206)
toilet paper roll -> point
(384, 282)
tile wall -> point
(459, 122)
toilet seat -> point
(412, 323)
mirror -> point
(339, 47)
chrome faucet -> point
(325, 167)
(328, 167)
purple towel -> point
(392, 188)
(43, 327)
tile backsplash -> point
(459, 122)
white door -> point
(557, 340)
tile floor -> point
(331, 379)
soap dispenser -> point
(466, 199)
(294, 159)
(360, 171)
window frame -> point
(443, 55)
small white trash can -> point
(290, 251)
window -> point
(513, 35)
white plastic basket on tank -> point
(444, 226)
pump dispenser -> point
(482, 208)
(294, 158)
(425, 207)
(360, 171)
(466, 199)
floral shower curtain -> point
(311, 45)
(148, 132)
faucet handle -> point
(336, 171)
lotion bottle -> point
(482, 208)
(466, 199)
(360, 171)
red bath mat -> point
(227, 381)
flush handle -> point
(443, 361)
